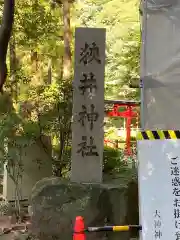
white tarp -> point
(160, 64)
(159, 189)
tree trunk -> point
(13, 66)
(5, 34)
(49, 78)
(67, 61)
(34, 53)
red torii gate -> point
(129, 113)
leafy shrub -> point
(4, 207)
(112, 159)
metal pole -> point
(124, 228)
(143, 72)
(143, 23)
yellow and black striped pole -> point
(124, 228)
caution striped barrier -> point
(158, 135)
(124, 228)
(80, 230)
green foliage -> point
(36, 23)
(113, 160)
(121, 20)
(4, 207)
(43, 103)
(131, 60)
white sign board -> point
(88, 106)
(159, 188)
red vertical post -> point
(128, 131)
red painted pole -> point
(128, 132)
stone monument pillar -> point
(88, 106)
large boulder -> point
(56, 203)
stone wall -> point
(56, 203)
(36, 165)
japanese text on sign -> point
(90, 53)
(159, 188)
(175, 174)
(85, 149)
(88, 83)
(91, 116)
(157, 225)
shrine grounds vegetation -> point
(37, 99)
